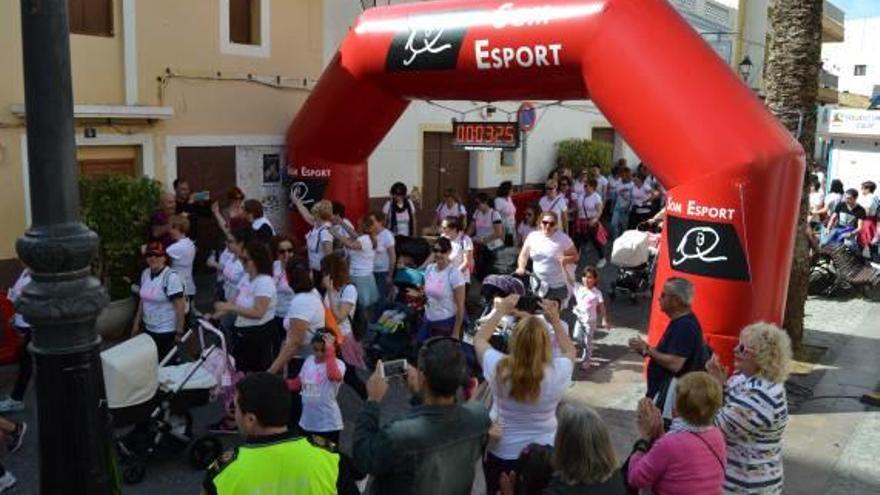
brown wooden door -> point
(443, 167)
(604, 134)
(207, 169)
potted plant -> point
(118, 209)
(582, 153)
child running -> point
(318, 383)
(589, 304)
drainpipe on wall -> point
(740, 32)
(129, 50)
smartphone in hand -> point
(396, 367)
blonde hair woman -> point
(583, 456)
(319, 240)
(526, 384)
(755, 411)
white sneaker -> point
(7, 481)
(11, 405)
(601, 264)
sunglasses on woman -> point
(439, 251)
(285, 251)
(741, 349)
(548, 223)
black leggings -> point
(25, 367)
(354, 381)
(164, 342)
(252, 347)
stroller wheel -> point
(204, 451)
(134, 473)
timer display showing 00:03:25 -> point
(485, 134)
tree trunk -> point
(792, 84)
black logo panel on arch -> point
(710, 249)
(425, 49)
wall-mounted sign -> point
(711, 249)
(485, 135)
(854, 121)
(271, 169)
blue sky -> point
(859, 8)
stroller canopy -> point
(131, 373)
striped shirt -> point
(753, 419)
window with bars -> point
(860, 70)
(91, 17)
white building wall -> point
(861, 46)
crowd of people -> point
(297, 314)
(845, 216)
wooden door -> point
(209, 169)
(604, 134)
(443, 167)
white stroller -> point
(635, 255)
(149, 401)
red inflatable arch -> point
(733, 172)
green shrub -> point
(582, 153)
(118, 209)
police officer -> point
(272, 459)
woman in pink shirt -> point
(691, 456)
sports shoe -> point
(225, 426)
(15, 439)
(601, 264)
(871, 399)
(7, 481)
(11, 405)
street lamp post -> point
(63, 300)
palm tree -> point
(792, 83)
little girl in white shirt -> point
(318, 384)
(589, 305)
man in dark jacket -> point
(435, 447)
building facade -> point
(856, 60)
(199, 89)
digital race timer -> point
(485, 135)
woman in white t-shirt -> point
(282, 248)
(527, 385)
(553, 255)
(253, 332)
(589, 228)
(385, 261)
(15, 401)
(318, 385)
(182, 253)
(400, 212)
(487, 230)
(304, 317)
(528, 225)
(161, 310)
(233, 268)
(450, 206)
(643, 196)
(589, 308)
(507, 209)
(319, 240)
(554, 201)
(361, 254)
(444, 291)
(341, 299)
(816, 202)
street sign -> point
(526, 116)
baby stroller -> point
(391, 336)
(149, 400)
(635, 255)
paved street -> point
(831, 443)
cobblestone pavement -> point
(831, 445)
